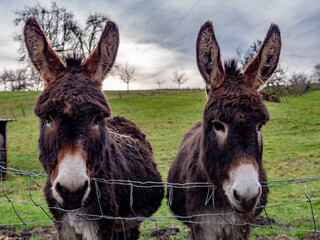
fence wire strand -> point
(305, 184)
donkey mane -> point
(71, 97)
(231, 68)
(73, 60)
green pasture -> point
(291, 151)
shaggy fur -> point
(75, 115)
(234, 100)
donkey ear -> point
(103, 57)
(42, 56)
(208, 57)
(260, 69)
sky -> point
(159, 36)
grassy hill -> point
(291, 151)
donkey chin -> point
(243, 189)
(72, 185)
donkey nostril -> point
(72, 198)
(83, 189)
(65, 192)
(59, 188)
(236, 196)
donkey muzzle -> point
(243, 188)
(72, 185)
(72, 200)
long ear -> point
(103, 57)
(260, 69)
(42, 56)
(208, 57)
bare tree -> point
(15, 79)
(315, 76)
(63, 33)
(159, 82)
(58, 24)
(94, 26)
(249, 54)
(179, 77)
(125, 71)
(35, 83)
(279, 75)
(274, 90)
(4, 80)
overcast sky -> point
(159, 36)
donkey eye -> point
(218, 126)
(96, 121)
(49, 121)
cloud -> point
(153, 61)
(159, 36)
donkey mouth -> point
(71, 205)
(245, 206)
(71, 200)
(244, 209)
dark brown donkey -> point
(78, 142)
(225, 149)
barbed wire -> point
(305, 184)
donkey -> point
(225, 148)
(79, 144)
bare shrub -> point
(299, 84)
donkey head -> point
(72, 109)
(233, 117)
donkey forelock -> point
(72, 94)
(235, 100)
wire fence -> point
(304, 184)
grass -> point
(291, 150)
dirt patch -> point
(262, 221)
(282, 237)
(31, 189)
(167, 233)
(43, 233)
(311, 236)
(164, 233)
(50, 233)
